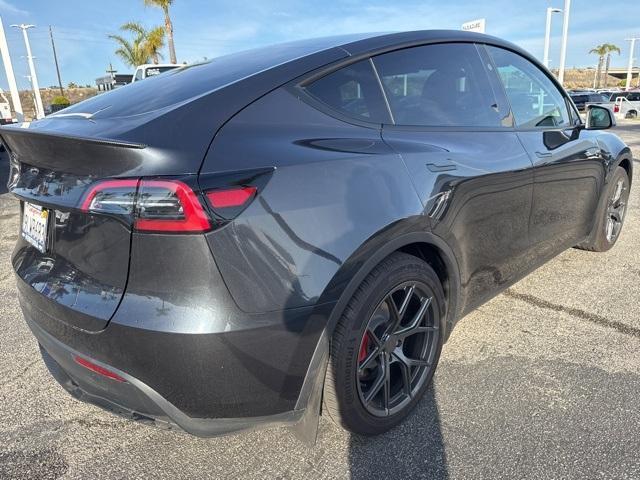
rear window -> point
(618, 94)
(579, 98)
(152, 71)
(192, 81)
(353, 91)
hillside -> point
(74, 95)
(583, 78)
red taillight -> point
(616, 109)
(111, 196)
(233, 197)
(98, 369)
(156, 205)
(169, 206)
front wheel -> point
(386, 346)
(610, 215)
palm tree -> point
(145, 45)
(154, 43)
(610, 49)
(132, 52)
(603, 50)
(168, 25)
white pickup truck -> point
(622, 104)
(625, 104)
(151, 70)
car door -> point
(470, 170)
(569, 170)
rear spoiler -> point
(78, 155)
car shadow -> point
(414, 449)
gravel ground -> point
(541, 382)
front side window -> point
(535, 101)
(354, 91)
(438, 85)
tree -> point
(131, 52)
(598, 50)
(145, 45)
(154, 43)
(610, 49)
(168, 25)
(603, 50)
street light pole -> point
(11, 79)
(565, 35)
(632, 47)
(32, 69)
(547, 35)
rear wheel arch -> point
(424, 245)
(626, 164)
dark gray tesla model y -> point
(297, 228)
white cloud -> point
(6, 7)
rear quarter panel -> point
(335, 185)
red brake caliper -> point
(364, 348)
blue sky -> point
(208, 28)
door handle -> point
(441, 167)
(544, 154)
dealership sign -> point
(474, 25)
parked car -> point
(313, 232)
(151, 70)
(581, 99)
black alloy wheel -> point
(616, 208)
(397, 349)
(386, 346)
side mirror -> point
(599, 118)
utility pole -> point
(55, 59)
(547, 35)
(8, 67)
(32, 69)
(112, 72)
(632, 47)
(565, 35)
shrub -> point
(60, 100)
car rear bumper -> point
(134, 399)
(206, 384)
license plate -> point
(34, 226)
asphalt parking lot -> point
(541, 382)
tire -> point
(613, 206)
(632, 114)
(408, 282)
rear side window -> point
(353, 91)
(438, 85)
(634, 96)
(535, 101)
